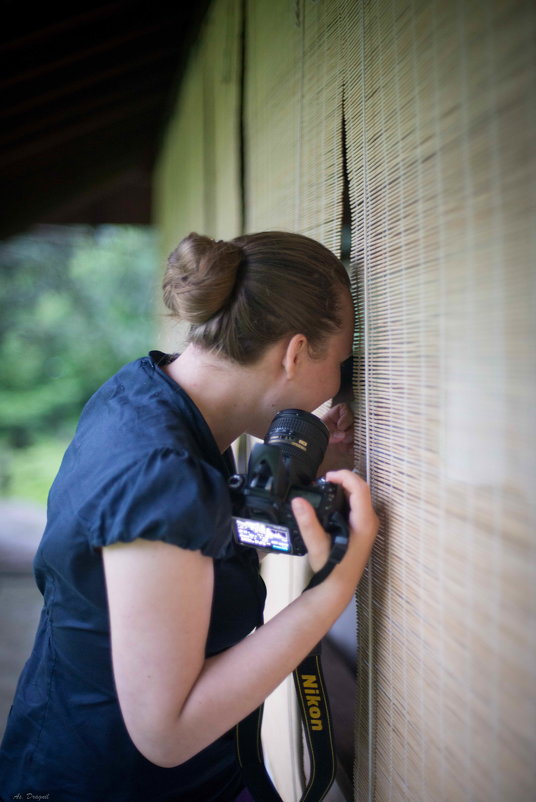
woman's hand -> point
(339, 453)
(160, 601)
(363, 524)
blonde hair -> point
(243, 295)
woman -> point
(141, 665)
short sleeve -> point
(167, 495)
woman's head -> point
(244, 295)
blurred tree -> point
(75, 304)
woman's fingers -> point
(363, 523)
(363, 519)
(342, 436)
(345, 418)
(339, 453)
(339, 420)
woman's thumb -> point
(317, 541)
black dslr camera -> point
(281, 468)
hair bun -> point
(201, 276)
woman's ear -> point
(296, 350)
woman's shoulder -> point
(158, 493)
(141, 464)
(164, 493)
(141, 407)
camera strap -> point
(251, 760)
(339, 543)
(316, 718)
(314, 709)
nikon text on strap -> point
(314, 710)
(315, 714)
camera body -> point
(280, 469)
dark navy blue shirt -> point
(143, 463)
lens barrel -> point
(301, 436)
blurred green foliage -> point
(29, 472)
(76, 303)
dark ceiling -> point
(86, 91)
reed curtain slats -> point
(198, 173)
(441, 133)
(438, 100)
(272, 115)
(293, 118)
(222, 87)
(294, 181)
(180, 175)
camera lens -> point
(301, 436)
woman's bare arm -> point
(174, 701)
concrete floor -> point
(21, 527)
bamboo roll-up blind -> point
(294, 174)
(273, 111)
(318, 198)
(179, 198)
(221, 98)
(272, 173)
(179, 195)
(441, 137)
(294, 118)
(198, 174)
